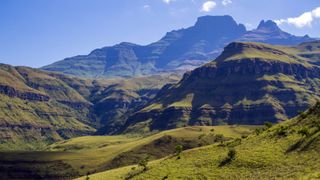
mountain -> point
(269, 32)
(38, 107)
(177, 51)
(289, 150)
(249, 83)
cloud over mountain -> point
(305, 19)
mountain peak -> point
(218, 21)
(268, 25)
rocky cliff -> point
(249, 83)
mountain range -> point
(177, 51)
(249, 83)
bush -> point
(232, 154)
(282, 131)
(268, 125)
(179, 149)
(144, 163)
(258, 131)
(230, 157)
(304, 132)
(244, 136)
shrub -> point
(178, 149)
(258, 131)
(304, 132)
(230, 157)
(219, 138)
(144, 163)
(244, 136)
(282, 131)
(268, 125)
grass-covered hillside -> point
(288, 150)
(249, 83)
(39, 107)
(89, 154)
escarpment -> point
(249, 83)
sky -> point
(39, 32)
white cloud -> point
(226, 2)
(208, 6)
(167, 1)
(316, 12)
(303, 20)
(147, 7)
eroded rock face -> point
(12, 92)
(269, 84)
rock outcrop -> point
(249, 83)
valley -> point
(215, 99)
(89, 154)
(287, 150)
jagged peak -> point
(268, 25)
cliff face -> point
(249, 83)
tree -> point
(178, 149)
(268, 125)
(144, 163)
(304, 132)
(230, 157)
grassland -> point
(288, 150)
(91, 154)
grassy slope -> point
(277, 96)
(75, 107)
(91, 154)
(279, 152)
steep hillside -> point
(310, 50)
(249, 83)
(177, 51)
(288, 150)
(79, 156)
(38, 107)
(118, 98)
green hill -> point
(249, 83)
(288, 150)
(39, 107)
(79, 156)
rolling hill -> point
(288, 150)
(38, 107)
(177, 51)
(79, 156)
(249, 83)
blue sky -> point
(38, 32)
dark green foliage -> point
(282, 131)
(304, 131)
(230, 157)
(258, 131)
(178, 150)
(268, 124)
(144, 163)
